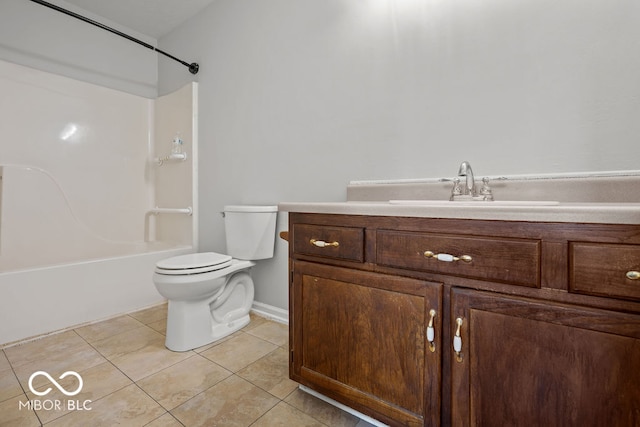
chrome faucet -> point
(468, 190)
(466, 171)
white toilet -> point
(210, 294)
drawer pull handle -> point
(457, 340)
(448, 257)
(431, 332)
(633, 275)
(323, 244)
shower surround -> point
(79, 180)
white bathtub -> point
(45, 299)
(79, 188)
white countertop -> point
(602, 213)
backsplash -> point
(606, 187)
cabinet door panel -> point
(526, 362)
(362, 336)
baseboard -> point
(345, 408)
(270, 312)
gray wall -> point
(298, 97)
(42, 38)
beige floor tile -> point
(12, 415)
(198, 387)
(160, 326)
(276, 333)
(78, 359)
(98, 382)
(9, 385)
(239, 351)
(284, 415)
(167, 420)
(43, 348)
(101, 330)
(129, 406)
(148, 360)
(271, 373)
(232, 402)
(129, 341)
(149, 315)
(320, 410)
(4, 363)
(176, 384)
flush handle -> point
(323, 244)
(431, 332)
(448, 257)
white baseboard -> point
(270, 312)
(345, 408)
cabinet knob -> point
(323, 244)
(633, 275)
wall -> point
(298, 97)
(42, 38)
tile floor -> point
(129, 378)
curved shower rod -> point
(193, 67)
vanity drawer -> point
(602, 269)
(511, 261)
(345, 243)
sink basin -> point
(480, 203)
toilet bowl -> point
(210, 294)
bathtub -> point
(41, 300)
(86, 208)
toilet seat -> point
(195, 263)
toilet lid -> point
(193, 263)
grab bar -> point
(188, 211)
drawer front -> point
(511, 261)
(602, 269)
(345, 243)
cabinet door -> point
(360, 338)
(533, 363)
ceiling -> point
(153, 18)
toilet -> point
(210, 294)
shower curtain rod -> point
(193, 67)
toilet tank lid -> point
(250, 208)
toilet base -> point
(222, 330)
(193, 324)
(178, 339)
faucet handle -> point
(456, 190)
(485, 191)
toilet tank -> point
(250, 231)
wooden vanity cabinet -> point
(530, 326)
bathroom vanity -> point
(427, 315)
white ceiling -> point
(153, 18)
